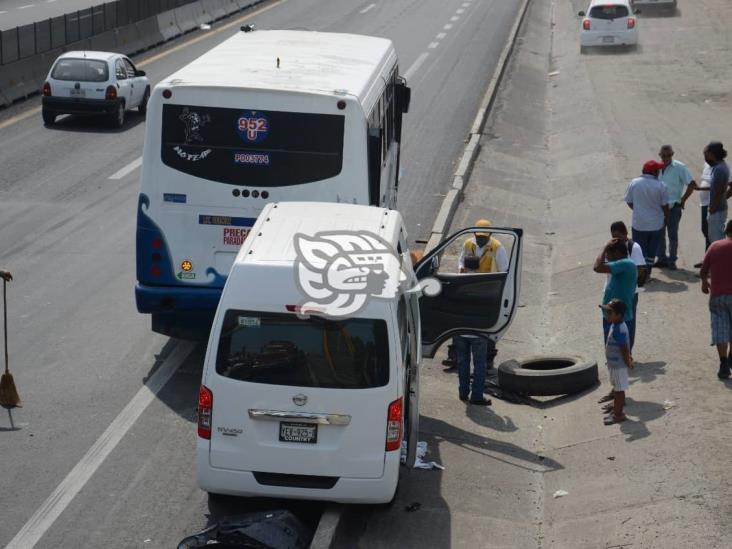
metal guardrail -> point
(56, 32)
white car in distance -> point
(94, 83)
(608, 23)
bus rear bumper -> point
(185, 313)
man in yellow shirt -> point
(490, 252)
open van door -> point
(476, 303)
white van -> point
(309, 389)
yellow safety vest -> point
(487, 262)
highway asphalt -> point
(122, 474)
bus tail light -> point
(586, 24)
(394, 426)
(631, 22)
(46, 89)
(111, 93)
(205, 407)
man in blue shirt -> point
(623, 278)
(714, 154)
(680, 185)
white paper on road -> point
(419, 462)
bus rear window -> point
(250, 147)
(283, 349)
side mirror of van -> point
(581, 14)
(403, 95)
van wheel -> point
(547, 376)
(142, 107)
(117, 120)
(49, 118)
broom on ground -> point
(9, 397)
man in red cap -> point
(647, 196)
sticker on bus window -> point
(249, 321)
(234, 236)
(251, 158)
(252, 126)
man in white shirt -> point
(703, 188)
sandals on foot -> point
(608, 408)
(611, 419)
(606, 398)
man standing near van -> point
(647, 196)
(680, 185)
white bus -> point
(265, 116)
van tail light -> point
(586, 24)
(111, 93)
(205, 406)
(46, 89)
(631, 22)
(394, 426)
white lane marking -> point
(132, 166)
(1, 12)
(368, 8)
(50, 1)
(466, 4)
(447, 27)
(415, 66)
(454, 18)
(26, 6)
(459, 11)
(62, 496)
(433, 45)
(441, 35)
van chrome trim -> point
(320, 419)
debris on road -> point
(668, 404)
(560, 494)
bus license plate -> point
(298, 432)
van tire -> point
(548, 376)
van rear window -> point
(252, 147)
(608, 12)
(81, 70)
(283, 349)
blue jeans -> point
(649, 241)
(478, 348)
(629, 323)
(716, 222)
(672, 230)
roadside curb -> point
(327, 525)
(462, 174)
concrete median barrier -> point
(185, 18)
(43, 63)
(106, 41)
(149, 34)
(167, 25)
(200, 13)
(18, 80)
(230, 6)
(214, 8)
(79, 45)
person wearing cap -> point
(714, 155)
(717, 264)
(619, 360)
(490, 252)
(647, 196)
(680, 185)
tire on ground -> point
(547, 376)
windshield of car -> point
(81, 70)
(608, 12)
(283, 349)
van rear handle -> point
(320, 419)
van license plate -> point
(298, 432)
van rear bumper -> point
(346, 490)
